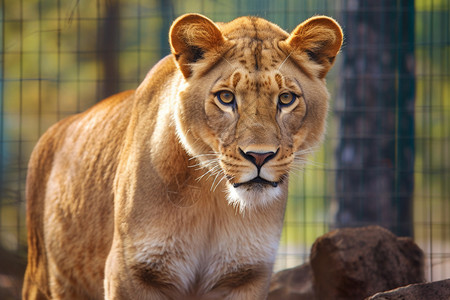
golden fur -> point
(177, 190)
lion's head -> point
(254, 100)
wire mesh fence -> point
(390, 91)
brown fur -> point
(134, 198)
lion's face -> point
(250, 112)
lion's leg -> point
(123, 282)
(251, 292)
(248, 282)
(62, 285)
(63, 290)
(30, 290)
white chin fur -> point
(247, 198)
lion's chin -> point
(252, 195)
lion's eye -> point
(225, 97)
(286, 99)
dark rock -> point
(354, 263)
(438, 290)
(292, 284)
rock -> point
(438, 290)
(292, 284)
(354, 263)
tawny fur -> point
(148, 195)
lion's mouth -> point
(256, 180)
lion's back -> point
(70, 192)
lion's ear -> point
(191, 37)
(318, 39)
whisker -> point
(204, 154)
(307, 151)
(211, 172)
(304, 162)
(227, 61)
(217, 175)
(205, 164)
(223, 177)
(282, 63)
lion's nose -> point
(258, 158)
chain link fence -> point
(386, 157)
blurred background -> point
(386, 157)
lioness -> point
(177, 190)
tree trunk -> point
(108, 48)
(167, 13)
(375, 155)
